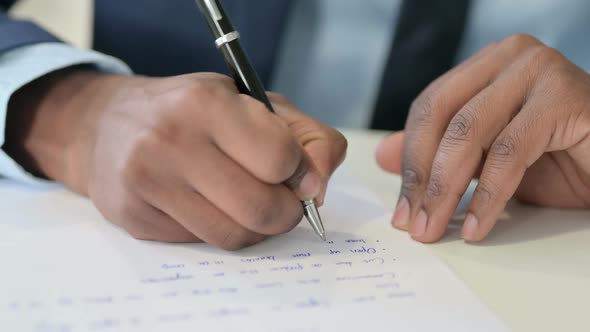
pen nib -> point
(313, 216)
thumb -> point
(325, 148)
(306, 182)
(389, 153)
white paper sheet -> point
(64, 268)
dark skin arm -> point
(178, 159)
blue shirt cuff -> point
(25, 64)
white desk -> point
(533, 271)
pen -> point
(227, 39)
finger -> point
(166, 229)
(431, 113)
(471, 132)
(421, 135)
(195, 213)
(324, 146)
(145, 222)
(260, 207)
(402, 215)
(517, 147)
(262, 143)
(169, 193)
(306, 182)
(389, 153)
(152, 224)
(129, 206)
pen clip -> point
(213, 9)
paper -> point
(64, 268)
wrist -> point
(51, 123)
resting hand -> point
(516, 115)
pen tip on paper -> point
(313, 216)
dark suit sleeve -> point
(15, 33)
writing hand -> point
(179, 159)
(515, 115)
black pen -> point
(227, 39)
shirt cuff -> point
(22, 65)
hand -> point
(517, 116)
(179, 159)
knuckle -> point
(503, 149)
(186, 94)
(461, 126)
(133, 172)
(339, 142)
(556, 82)
(520, 40)
(545, 58)
(139, 230)
(201, 89)
(426, 104)
(485, 192)
(216, 77)
(437, 185)
(272, 213)
(413, 180)
(165, 130)
(279, 99)
(235, 239)
(130, 214)
(260, 214)
(181, 100)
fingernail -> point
(470, 227)
(402, 213)
(310, 186)
(419, 226)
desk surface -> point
(533, 271)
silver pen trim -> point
(228, 37)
